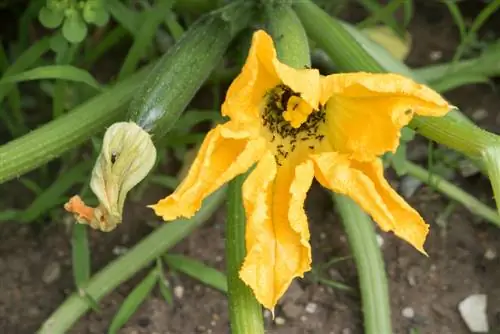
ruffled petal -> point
(365, 112)
(365, 184)
(277, 234)
(246, 94)
(219, 159)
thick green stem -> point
(370, 265)
(126, 266)
(452, 191)
(53, 139)
(245, 312)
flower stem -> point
(245, 312)
(370, 265)
(452, 191)
(126, 266)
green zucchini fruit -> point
(180, 73)
(128, 152)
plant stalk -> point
(370, 265)
(452, 191)
(245, 312)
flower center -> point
(281, 133)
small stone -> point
(412, 275)
(311, 307)
(467, 168)
(380, 240)
(479, 114)
(213, 323)
(218, 258)
(408, 312)
(291, 310)
(409, 185)
(293, 293)
(346, 331)
(303, 318)
(490, 254)
(279, 321)
(119, 250)
(51, 272)
(473, 312)
(435, 55)
(267, 314)
(322, 235)
(33, 311)
(179, 291)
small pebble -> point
(380, 240)
(322, 235)
(291, 310)
(119, 250)
(346, 331)
(408, 312)
(303, 318)
(267, 314)
(490, 254)
(311, 308)
(473, 312)
(479, 114)
(51, 272)
(218, 258)
(435, 55)
(179, 291)
(279, 321)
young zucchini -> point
(177, 77)
(128, 152)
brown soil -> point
(432, 287)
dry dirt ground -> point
(35, 264)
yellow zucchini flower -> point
(297, 125)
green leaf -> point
(450, 82)
(133, 301)
(197, 270)
(51, 197)
(101, 18)
(80, 255)
(144, 37)
(25, 60)
(50, 18)
(58, 43)
(128, 18)
(62, 72)
(74, 28)
(163, 283)
(96, 14)
(9, 215)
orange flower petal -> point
(82, 212)
(365, 184)
(277, 234)
(219, 160)
(365, 112)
